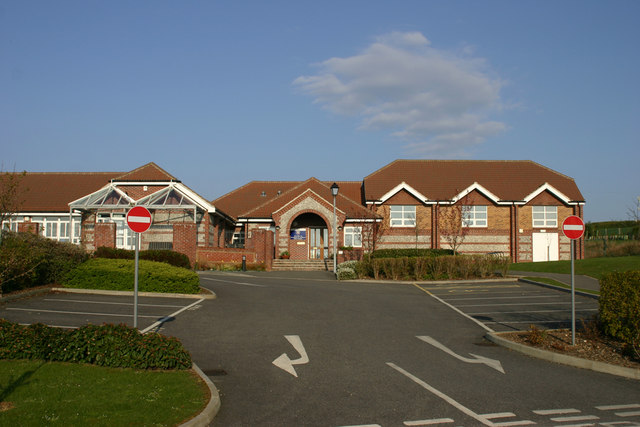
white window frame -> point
(125, 238)
(402, 215)
(352, 236)
(475, 216)
(544, 216)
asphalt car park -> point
(514, 306)
(73, 310)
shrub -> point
(118, 274)
(401, 253)
(174, 258)
(347, 273)
(433, 267)
(117, 346)
(28, 260)
(619, 310)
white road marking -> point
(235, 283)
(499, 415)
(84, 313)
(285, 363)
(482, 419)
(429, 422)
(485, 327)
(492, 363)
(495, 298)
(110, 303)
(618, 407)
(533, 311)
(577, 418)
(164, 319)
(523, 303)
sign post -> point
(573, 228)
(139, 221)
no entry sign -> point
(573, 227)
(139, 219)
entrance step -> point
(300, 265)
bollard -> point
(244, 263)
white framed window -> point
(403, 216)
(474, 216)
(353, 236)
(545, 216)
(124, 236)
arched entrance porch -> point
(309, 237)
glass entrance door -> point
(318, 241)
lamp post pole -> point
(334, 192)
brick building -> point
(514, 208)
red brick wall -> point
(216, 255)
(105, 235)
(185, 239)
(260, 241)
(29, 227)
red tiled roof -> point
(52, 191)
(444, 179)
(148, 172)
(259, 199)
(352, 208)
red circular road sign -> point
(139, 219)
(573, 227)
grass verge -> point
(36, 393)
(594, 267)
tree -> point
(11, 195)
(453, 227)
(371, 231)
(634, 211)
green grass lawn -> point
(34, 393)
(594, 267)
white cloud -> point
(437, 102)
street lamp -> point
(334, 192)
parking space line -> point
(454, 308)
(84, 313)
(528, 312)
(172, 315)
(429, 422)
(522, 303)
(110, 303)
(495, 298)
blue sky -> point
(220, 93)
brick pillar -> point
(105, 235)
(261, 243)
(185, 239)
(29, 227)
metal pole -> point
(335, 237)
(135, 283)
(573, 296)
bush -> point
(433, 267)
(401, 253)
(174, 258)
(28, 260)
(118, 275)
(117, 346)
(347, 270)
(619, 310)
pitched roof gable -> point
(444, 180)
(148, 172)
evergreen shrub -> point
(116, 346)
(118, 275)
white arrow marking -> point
(492, 363)
(285, 363)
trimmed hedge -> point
(116, 346)
(174, 258)
(28, 260)
(118, 275)
(431, 267)
(409, 253)
(620, 306)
